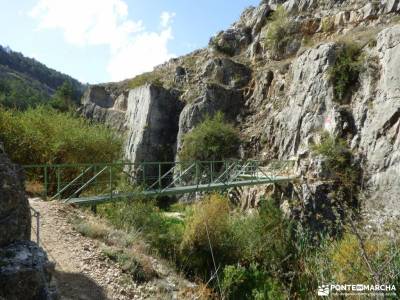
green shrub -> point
(339, 159)
(63, 99)
(235, 239)
(164, 234)
(213, 139)
(20, 94)
(342, 261)
(16, 93)
(44, 136)
(140, 271)
(327, 24)
(209, 224)
(90, 229)
(221, 46)
(250, 283)
(345, 72)
(277, 35)
(254, 233)
(142, 79)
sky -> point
(110, 40)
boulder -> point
(98, 95)
(110, 117)
(101, 105)
(254, 18)
(232, 41)
(226, 72)
(25, 272)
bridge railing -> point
(66, 181)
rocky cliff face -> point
(147, 115)
(152, 121)
(281, 95)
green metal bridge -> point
(91, 184)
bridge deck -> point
(180, 190)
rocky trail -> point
(82, 272)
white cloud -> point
(133, 50)
(166, 18)
(141, 54)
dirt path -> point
(81, 270)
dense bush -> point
(327, 24)
(255, 232)
(222, 46)
(339, 160)
(252, 282)
(64, 98)
(354, 259)
(164, 234)
(258, 256)
(44, 136)
(20, 94)
(213, 139)
(15, 93)
(208, 225)
(277, 36)
(345, 72)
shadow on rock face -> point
(78, 286)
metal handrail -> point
(36, 215)
(180, 175)
(162, 177)
(87, 183)
(71, 183)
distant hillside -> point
(26, 82)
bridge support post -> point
(197, 172)
(144, 174)
(45, 182)
(95, 181)
(111, 185)
(159, 176)
(58, 180)
(211, 171)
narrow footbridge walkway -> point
(91, 184)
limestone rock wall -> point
(147, 116)
(152, 118)
(377, 116)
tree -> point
(213, 139)
(63, 99)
